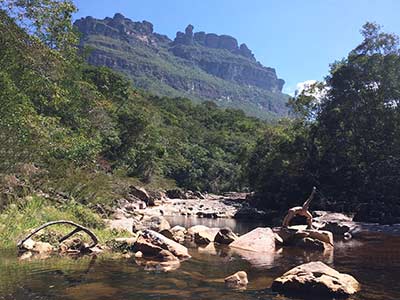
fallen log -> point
(78, 228)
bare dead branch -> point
(78, 228)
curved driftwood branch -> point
(77, 229)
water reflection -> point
(373, 260)
(240, 227)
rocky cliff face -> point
(212, 40)
(197, 65)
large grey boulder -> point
(316, 278)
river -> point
(374, 259)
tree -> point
(48, 20)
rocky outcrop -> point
(238, 280)
(115, 27)
(318, 279)
(212, 40)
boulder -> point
(202, 235)
(310, 243)
(156, 223)
(168, 234)
(202, 238)
(258, 240)
(316, 278)
(37, 247)
(164, 261)
(321, 235)
(74, 245)
(178, 233)
(326, 216)
(166, 255)
(125, 224)
(176, 194)
(250, 213)
(208, 249)
(338, 228)
(278, 240)
(337, 223)
(158, 240)
(225, 236)
(140, 193)
(301, 236)
(237, 280)
(146, 247)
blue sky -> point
(299, 38)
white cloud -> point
(318, 92)
(301, 86)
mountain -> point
(196, 65)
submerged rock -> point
(310, 243)
(238, 280)
(316, 278)
(164, 261)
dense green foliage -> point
(346, 140)
(79, 124)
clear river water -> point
(374, 259)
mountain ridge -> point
(196, 65)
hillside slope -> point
(198, 66)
